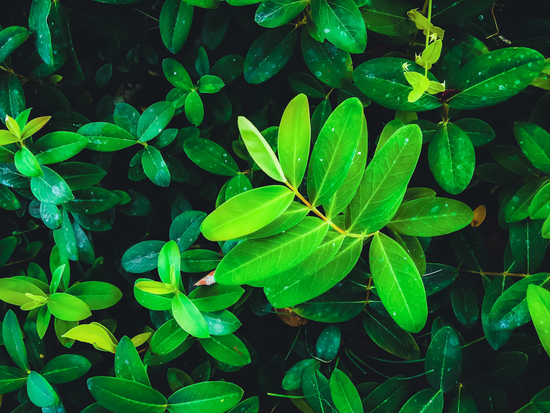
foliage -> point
(194, 206)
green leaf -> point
(228, 68)
(221, 323)
(127, 117)
(194, 108)
(469, 248)
(11, 379)
(121, 395)
(494, 173)
(128, 364)
(58, 146)
(275, 13)
(246, 213)
(540, 205)
(317, 391)
(106, 137)
(40, 392)
(332, 307)
(26, 163)
(307, 85)
(65, 239)
(210, 84)
(328, 63)
(517, 208)
(538, 300)
(174, 22)
(464, 301)
(344, 195)
(260, 150)
(463, 403)
(155, 167)
(12, 98)
(425, 401)
(199, 260)
(38, 23)
(505, 367)
(514, 160)
(413, 247)
(13, 340)
(495, 77)
(510, 310)
(310, 280)
(7, 246)
(444, 357)
(189, 317)
(227, 349)
(210, 156)
(150, 300)
(328, 343)
(168, 337)
(388, 18)
(430, 217)
(254, 260)
(250, 405)
(142, 257)
(385, 181)
(215, 297)
(344, 394)
(334, 151)
(343, 24)
(533, 140)
(388, 335)
(79, 175)
(495, 338)
(67, 307)
(210, 396)
(452, 158)
(269, 53)
(383, 81)
(51, 188)
(387, 397)
(154, 119)
(8, 201)
(10, 39)
(294, 140)
(527, 245)
(398, 283)
(12, 290)
(65, 368)
(479, 132)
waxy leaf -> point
(58, 146)
(528, 245)
(227, 349)
(65, 368)
(534, 141)
(275, 13)
(155, 167)
(10, 39)
(106, 137)
(260, 150)
(317, 391)
(120, 395)
(128, 364)
(387, 397)
(154, 119)
(398, 283)
(210, 396)
(385, 181)
(495, 338)
(452, 158)
(517, 208)
(388, 18)
(444, 357)
(538, 300)
(431, 217)
(464, 301)
(67, 307)
(142, 257)
(189, 317)
(344, 394)
(51, 188)
(495, 77)
(38, 23)
(26, 163)
(210, 156)
(246, 213)
(294, 140)
(40, 392)
(334, 151)
(269, 53)
(342, 24)
(425, 401)
(13, 340)
(254, 260)
(175, 21)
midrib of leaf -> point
(119, 397)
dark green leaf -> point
(210, 396)
(106, 137)
(142, 257)
(175, 21)
(155, 167)
(40, 392)
(444, 358)
(65, 368)
(210, 156)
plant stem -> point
(505, 274)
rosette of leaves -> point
(296, 257)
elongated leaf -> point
(210, 156)
(10, 39)
(388, 335)
(119, 395)
(495, 77)
(11, 378)
(106, 137)
(254, 260)
(38, 23)
(189, 317)
(452, 158)
(334, 151)
(58, 146)
(398, 283)
(317, 391)
(344, 394)
(385, 181)
(175, 21)
(154, 119)
(210, 396)
(528, 245)
(430, 217)
(51, 188)
(464, 301)
(246, 213)
(388, 18)
(227, 349)
(294, 140)
(540, 205)
(538, 300)
(155, 167)
(425, 401)
(142, 257)
(13, 340)
(495, 338)
(40, 392)
(533, 140)
(68, 307)
(168, 337)
(128, 364)
(269, 53)
(517, 208)
(275, 13)
(65, 368)
(260, 150)
(444, 357)
(387, 397)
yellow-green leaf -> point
(155, 287)
(93, 334)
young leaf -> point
(67, 307)
(176, 74)
(189, 317)
(246, 213)
(94, 334)
(294, 140)
(344, 394)
(538, 300)
(260, 150)
(154, 119)
(398, 283)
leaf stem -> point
(505, 274)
